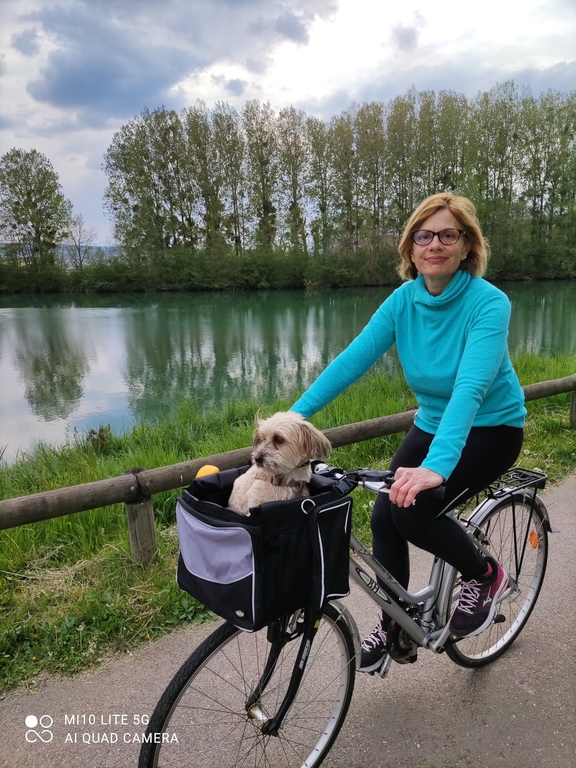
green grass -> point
(70, 593)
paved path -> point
(516, 713)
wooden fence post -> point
(573, 409)
(141, 525)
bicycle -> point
(265, 699)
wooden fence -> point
(136, 486)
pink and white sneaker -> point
(478, 601)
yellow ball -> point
(207, 469)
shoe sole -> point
(373, 667)
(491, 613)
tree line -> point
(249, 198)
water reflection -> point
(543, 317)
(218, 348)
(76, 362)
(51, 361)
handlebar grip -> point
(376, 476)
(437, 493)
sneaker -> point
(373, 650)
(477, 603)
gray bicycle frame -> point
(434, 601)
(431, 597)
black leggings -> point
(489, 451)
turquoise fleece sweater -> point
(454, 352)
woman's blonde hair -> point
(465, 211)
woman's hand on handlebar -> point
(409, 481)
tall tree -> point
(547, 175)
(320, 180)
(79, 243)
(293, 161)
(152, 194)
(453, 141)
(204, 164)
(441, 147)
(346, 179)
(401, 134)
(496, 127)
(262, 168)
(371, 147)
(230, 148)
(35, 217)
(426, 155)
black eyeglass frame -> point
(448, 229)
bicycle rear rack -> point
(512, 481)
(516, 479)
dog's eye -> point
(278, 440)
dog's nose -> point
(259, 459)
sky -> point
(72, 72)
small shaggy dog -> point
(283, 446)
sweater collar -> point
(455, 287)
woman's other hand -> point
(409, 481)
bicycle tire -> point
(202, 720)
(515, 531)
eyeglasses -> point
(446, 236)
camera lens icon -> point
(39, 728)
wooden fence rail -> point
(136, 486)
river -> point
(72, 363)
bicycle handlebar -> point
(377, 481)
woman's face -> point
(436, 262)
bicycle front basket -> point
(252, 570)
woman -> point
(450, 327)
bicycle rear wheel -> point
(515, 532)
(201, 719)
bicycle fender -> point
(352, 626)
(523, 496)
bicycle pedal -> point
(384, 668)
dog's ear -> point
(314, 443)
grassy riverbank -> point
(69, 592)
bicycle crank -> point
(401, 647)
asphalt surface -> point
(518, 712)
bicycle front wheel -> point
(201, 721)
(515, 532)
